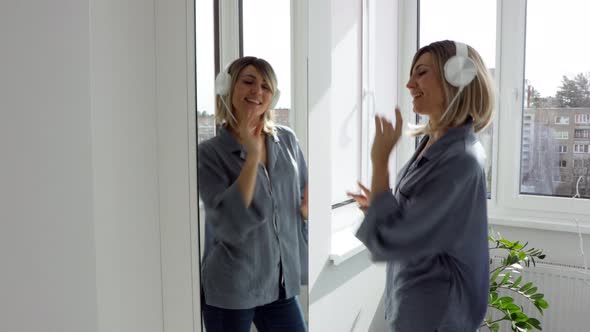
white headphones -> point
(223, 85)
(460, 70)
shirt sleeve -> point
(225, 211)
(430, 219)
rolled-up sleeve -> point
(427, 221)
(225, 211)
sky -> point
(553, 47)
(554, 30)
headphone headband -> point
(460, 70)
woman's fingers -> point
(364, 189)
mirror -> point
(252, 254)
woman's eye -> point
(248, 82)
(420, 73)
(266, 87)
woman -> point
(432, 229)
(252, 181)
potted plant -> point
(506, 283)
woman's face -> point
(426, 87)
(251, 93)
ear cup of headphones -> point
(275, 99)
(460, 70)
(222, 83)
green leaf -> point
(538, 307)
(535, 323)
(517, 281)
(495, 327)
(506, 299)
(505, 242)
(495, 275)
(542, 303)
(519, 317)
(526, 286)
(531, 291)
(512, 307)
(505, 279)
(537, 296)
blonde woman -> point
(431, 229)
(252, 180)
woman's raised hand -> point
(386, 137)
(364, 199)
(250, 131)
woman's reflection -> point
(253, 183)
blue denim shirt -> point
(245, 247)
(432, 232)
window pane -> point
(269, 37)
(346, 109)
(556, 110)
(471, 22)
(205, 68)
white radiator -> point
(566, 289)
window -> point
(583, 118)
(537, 114)
(205, 69)
(581, 133)
(581, 148)
(277, 52)
(560, 134)
(550, 91)
(578, 163)
(563, 120)
(480, 17)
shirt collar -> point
(464, 131)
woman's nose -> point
(256, 89)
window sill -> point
(345, 245)
(556, 225)
(345, 222)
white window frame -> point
(347, 217)
(580, 148)
(559, 120)
(583, 130)
(582, 119)
(507, 205)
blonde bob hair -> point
(476, 100)
(226, 116)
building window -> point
(583, 118)
(561, 163)
(581, 133)
(578, 163)
(563, 120)
(559, 178)
(562, 149)
(481, 35)
(581, 148)
(560, 135)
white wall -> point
(47, 278)
(125, 174)
(80, 192)
(346, 297)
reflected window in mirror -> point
(205, 68)
(268, 36)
